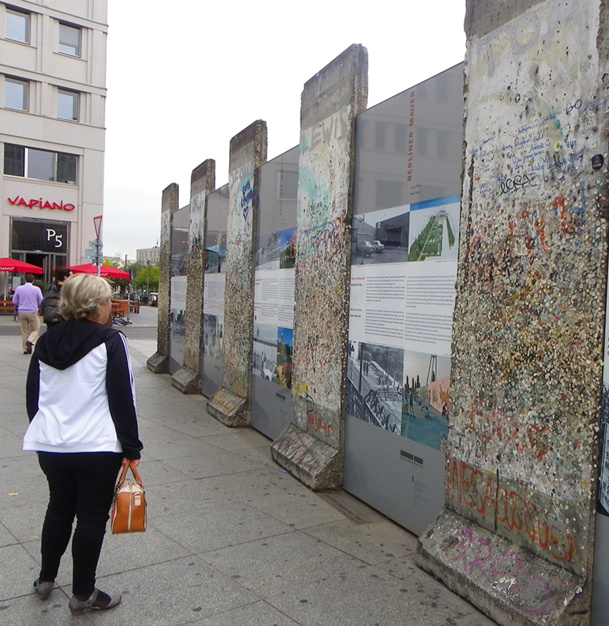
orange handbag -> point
(128, 513)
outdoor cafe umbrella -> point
(104, 270)
(13, 265)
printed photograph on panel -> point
(381, 236)
(287, 254)
(212, 335)
(267, 251)
(425, 406)
(264, 361)
(285, 346)
(603, 487)
(214, 259)
(434, 231)
(375, 389)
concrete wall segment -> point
(330, 102)
(202, 183)
(529, 318)
(482, 18)
(248, 150)
(312, 447)
(159, 362)
(338, 84)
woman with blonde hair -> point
(83, 425)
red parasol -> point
(12, 265)
(104, 270)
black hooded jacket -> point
(69, 344)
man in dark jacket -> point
(49, 308)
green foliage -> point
(146, 277)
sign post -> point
(98, 244)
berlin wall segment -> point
(202, 182)
(312, 447)
(529, 319)
(159, 362)
(248, 151)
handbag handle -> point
(123, 476)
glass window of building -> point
(67, 104)
(58, 167)
(17, 25)
(16, 94)
(66, 168)
(69, 40)
(14, 160)
(41, 165)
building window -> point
(40, 164)
(69, 40)
(67, 104)
(16, 94)
(14, 160)
(17, 25)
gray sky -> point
(184, 80)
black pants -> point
(81, 485)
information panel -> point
(179, 277)
(600, 598)
(274, 295)
(404, 263)
(213, 295)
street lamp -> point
(148, 278)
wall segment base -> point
(158, 363)
(314, 462)
(186, 380)
(229, 408)
(509, 583)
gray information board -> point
(179, 274)
(213, 295)
(274, 295)
(404, 263)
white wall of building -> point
(50, 73)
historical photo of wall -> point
(287, 253)
(375, 389)
(381, 236)
(272, 356)
(212, 335)
(264, 361)
(425, 400)
(434, 230)
(214, 259)
(285, 348)
(267, 251)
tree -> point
(147, 277)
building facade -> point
(148, 255)
(52, 129)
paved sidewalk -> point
(232, 538)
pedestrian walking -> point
(83, 425)
(49, 309)
(27, 300)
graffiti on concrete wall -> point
(518, 511)
(239, 272)
(527, 352)
(505, 572)
(322, 249)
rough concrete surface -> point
(232, 538)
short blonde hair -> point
(82, 296)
